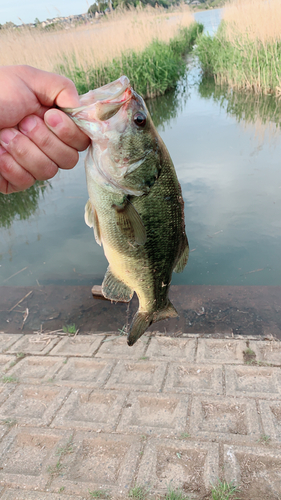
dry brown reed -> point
(258, 19)
(92, 44)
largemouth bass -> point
(135, 202)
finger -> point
(27, 156)
(50, 88)
(12, 176)
(49, 144)
(66, 130)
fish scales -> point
(135, 202)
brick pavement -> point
(84, 414)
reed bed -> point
(246, 51)
(94, 54)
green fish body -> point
(135, 202)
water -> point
(226, 149)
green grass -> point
(60, 453)
(249, 352)
(98, 494)
(152, 72)
(224, 491)
(242, 63)
(9, 379)
(176, 494)
(264, 439)
(10, 422)
(138, 492)
(69, 328)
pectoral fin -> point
(91, 219)
(115, 289)
(182, 261)
(129, 222)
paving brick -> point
(188, 378)
(27, 454)
(81, 345)
(4, 428)
(33, 344)
(118, 348)
(5, 390)
(36, 369)
(6, 362)
(137, 375)
(267, 352)
(271, 419)
(256, 470)
(220, 351)
(33, 405)
(169, 349)
(88, 409)
(154, 414)
(189, 465)
(7, 340)
(85, 372)
(224, 418)
(254, 381)
(105, 461)
(37, 495)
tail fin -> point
(142, 320)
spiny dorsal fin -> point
(91, 219)
(129, 222)
(182, 261)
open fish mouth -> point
(103, 103)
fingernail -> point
(53, 119)
(28, 124)
(7, 136)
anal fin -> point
(115, 289)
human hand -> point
(35, 138)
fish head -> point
(123, 136)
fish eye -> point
(140, 119)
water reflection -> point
(246, 107)
(164, 111)
(20, 205)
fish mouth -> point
(103, 103)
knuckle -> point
(70, 160)
(45, 141)
(48, 171)
(19, 147)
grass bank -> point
(245, 53)
(152, 71)
(145, 43)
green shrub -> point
(152, 72)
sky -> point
(19, 11)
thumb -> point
(50, 88)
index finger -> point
(66, 130)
